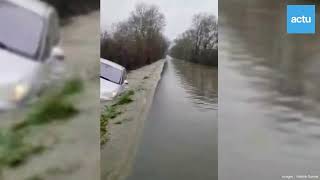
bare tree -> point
(139, 40)
(200, 42)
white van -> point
(112, 79)
(29, 46)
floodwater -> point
(180, 135)
(269, 97)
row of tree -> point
(68, 8)
(198, 44)
(137, 41)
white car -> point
(112, 79)
(29, 48)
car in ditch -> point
(29, 48)
(113, 80)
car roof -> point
(36, 6)
(110, 63)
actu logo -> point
(301, 19)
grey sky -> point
(178, 12)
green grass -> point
(56, 106)
(112, 112)
(109, 113)
(73, 86)
(125, 98)
(35, 177)
(13, 149)
(53, 107)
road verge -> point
(124, 130)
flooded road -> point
(269, 111)
(180, 134)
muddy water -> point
(269, 98)
(180, 135)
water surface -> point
(180, 135)
(269, 94)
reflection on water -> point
(180, 135)
(270, 82)
(199, 82)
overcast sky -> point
(178, 13)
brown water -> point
(180, 135)
(269, 94)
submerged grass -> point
(56, 106)
(111, 112)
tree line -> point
(67, 8)
(199, 44)
(137, 41)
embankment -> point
(125, 130)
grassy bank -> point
(125, 130)
(111, 112)
(16, 144)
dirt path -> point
(124, 131)
(73, 151)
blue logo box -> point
(301, 19)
